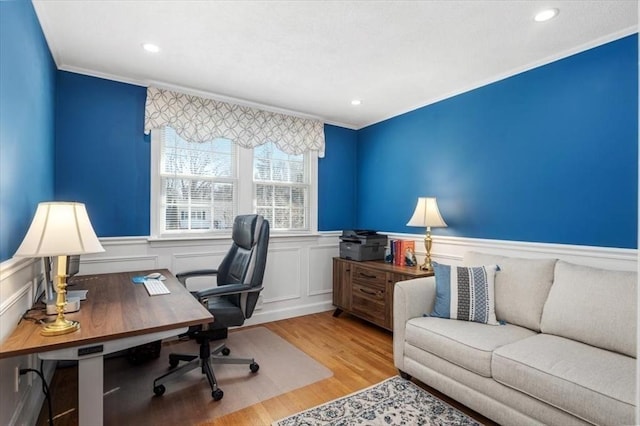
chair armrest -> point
(184, 276)
(225, 290)
(411, 299)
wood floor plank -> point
(358, 353)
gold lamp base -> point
(427, 266)
(59, 327)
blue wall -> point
(27, 88)
(102, 156)
(549, 155)
(337, 180)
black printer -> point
(361, 244)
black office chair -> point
(239, 279)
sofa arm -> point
(412, 298)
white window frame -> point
(245, 190)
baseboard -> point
(284, 313)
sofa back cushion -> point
(594, 306)
(521, 287)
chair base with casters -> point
(205, 360)
(239, 283)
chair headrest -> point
(246, 229)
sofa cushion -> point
(464, 343)
(521, 286)
(588, 382)
(465, 293)
(594, 306)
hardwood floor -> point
(359, 355)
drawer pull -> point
(367, 276)
(369, 292)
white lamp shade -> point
(427, 214)
(59, 229)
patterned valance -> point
(198, 119)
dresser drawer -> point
(369, 277)
(369, 302)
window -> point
(199, 188)
(198, 184)
(281, 187)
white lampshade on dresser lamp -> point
(60, 229)
(427, 215)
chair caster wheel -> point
(173, 361)
(159, 390)
(254, 367)
(226, 351)
(217, 394)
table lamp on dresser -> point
(60, 229)
(427, 215)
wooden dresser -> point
(365, 289)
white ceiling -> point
(313, 57)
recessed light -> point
(356, 102)
(150, 47)
(546, 14)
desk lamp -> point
(60, 229)
(427, 214)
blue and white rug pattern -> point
(395, 401)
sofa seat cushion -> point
(591, 383)
(464, 343)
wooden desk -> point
(116, 315)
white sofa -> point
(566, 355)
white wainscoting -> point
(20, 283)
(298, 281)
(451, 250)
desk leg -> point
(90, 391)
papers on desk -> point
(140, 279)
(80, 294)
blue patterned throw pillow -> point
(465, 293)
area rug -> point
(395, 401)
(129, 398)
